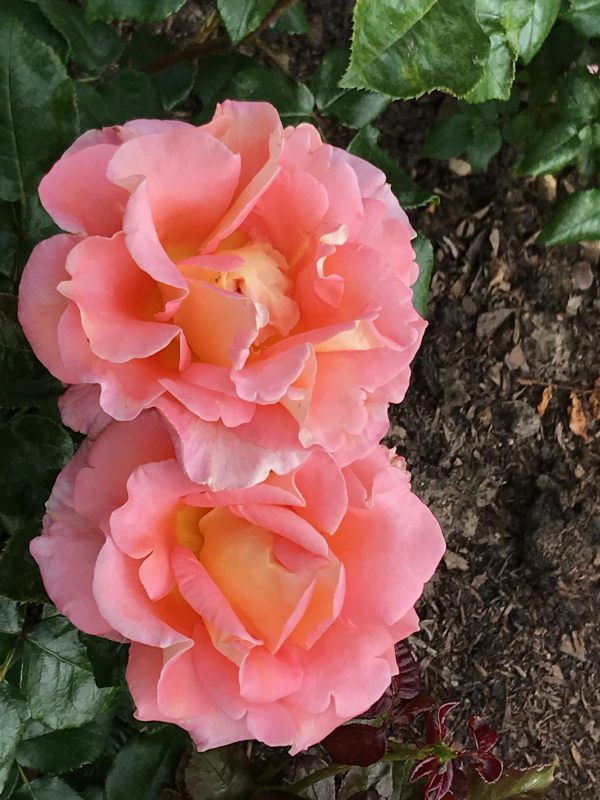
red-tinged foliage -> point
(356, 744)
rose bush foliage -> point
(246, 279)
(251, 612)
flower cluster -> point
(231, 309)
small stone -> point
(460, 167)
(583, 277)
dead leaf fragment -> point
(460, 167)
(595, 400)
(455, 561)
(544, 402)
(578, 421)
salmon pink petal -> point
(401, 557)
(204, 448)
(144, 667)
(190, 178)
(116, 301)
(286, 523)
(268, 379)
(80, 409)
(323, 487)
(125, 389)
(265, 678)
(205, 597)
(67, 555)
(40, 304)
(78, 195)
(101, 483)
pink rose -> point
(269, 612)
(248, 280)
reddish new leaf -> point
(408, 681)
(357, 744)
(490, 768)
(485, 736)
(424, 769)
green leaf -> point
(584, 16)
(57, 752)
(407, 49)
(139, 10)
(532, 35)
(424, 258)
(34, 21)
(215, 73)
(498, 75)
(32, 450)
(409, 194)
(11, 616)
(46, 789)
(294, 20)
(9, 238)
(577, 219)
(556, 147)
(130, 95)
(93, 44)
(19, 574)
(294, 101)
(108, 659)
(359, 779)
(93, 108)
(472, 132)
(14, 715)
(579, 97)
(175, 84)
(146, 765)
(403, 788)
(241, 17)
(220, 774)
(515, 784)
(352, 107)
(25, 380)
(57, 678)
(38, 118)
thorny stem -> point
(221, 44)
(6, 666)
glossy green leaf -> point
(175, 84)
(93, 793)
(424, 258)
(579, 97)
(215, 73)
(584, 16)
(36, 23)
(220, 774)
(139, 10)
(9, 239)
(108, 659)
(241, 17)
(532, 783)
(57, 677)
(130, 95)
(576, 219)
(498, 74)
(409, 194)
(57, 752)
(359, 779)
(352, 107)
(542, 16)
(94, 45)
(32, 451)
(11, 616)
(407, 49)
(293, 20)
(472, 132)
(46, 789)
(25, 380)
(146, 765)
(19, 574)
(94, 111)
(553, 150)
(294, 101)
(33, 86)
(14, 715)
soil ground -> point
(500, 430)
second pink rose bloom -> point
(249, 281)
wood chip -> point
(576, 755)
(578, 421)
(489, 322)
(455, 561)
(460, 167)
(542, 406)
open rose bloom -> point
(269, 612)
(249, 281)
